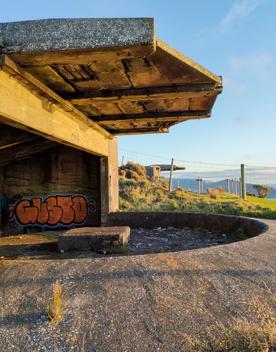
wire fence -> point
(199, 176)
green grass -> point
(263, 202)
(146, 195)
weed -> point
(242, 335)
(54, 310)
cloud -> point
(239, 10)
(246, 71)
(259, 64)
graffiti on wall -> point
(57, 210)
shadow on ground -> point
(43, 245)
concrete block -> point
(94, 238)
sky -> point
(235, 39)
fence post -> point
(171, 174)
(243, 182)
(236, 186)
(199, 180)
(228, 185)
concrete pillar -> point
(109, 181)
(113, 175)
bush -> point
(132, 175)
(215, 192)
(133, 170)
(160, 194)
(263, 191)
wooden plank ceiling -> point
(144, 94)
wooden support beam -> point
(81, 57)
(187, 61)
(170, 120)
(50, 76)
(10, 137)
(25, 150)
(36, 86)
(136, 94)
(161, 116)
(146, 130)
(27, 104)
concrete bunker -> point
(68, 87)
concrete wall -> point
(58, 188)
(211, 222)
(153, 171)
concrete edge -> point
(75, 34)
(211, 222)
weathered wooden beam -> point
(148, 130)
(153, 116)
(136, 94)
(50, 76)
(187, 61)
(31, 106)
(36, 86)
(169, 119)
(81, 57)
(10, 136)
(25, 150)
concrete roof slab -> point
(113, 71)
(69, 34)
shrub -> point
(132, 175)
(213, 193)
(263, 191)
(133, 169)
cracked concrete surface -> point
(148, 302)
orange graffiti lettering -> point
(27, 214)
(80, 209)
(53, 211)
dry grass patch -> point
(214, 193)
(54, 310)
(243, 335)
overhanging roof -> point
(114, 71)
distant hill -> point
(192, 185)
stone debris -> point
(173, 239)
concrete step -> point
(93, 238)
